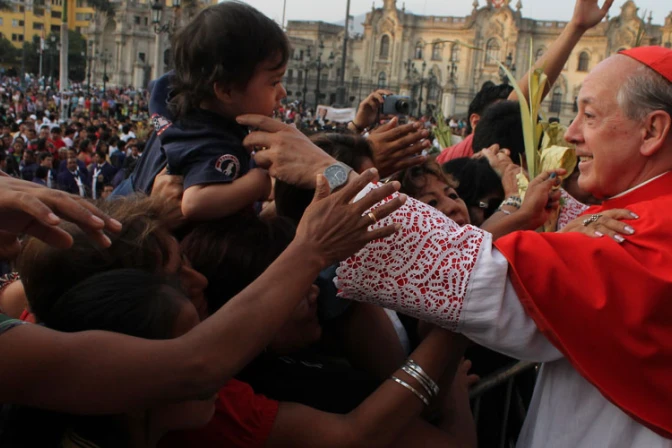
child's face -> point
(262, 94)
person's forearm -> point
(215, 201)
(380, 419)
(501, 224)
(112, 373)
(554, 60)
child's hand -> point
(263, 181)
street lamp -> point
(321, 66)
(89, 57)
(157, 16)
(510, 65)
(422, 85)
(105, 58)
(306, 68)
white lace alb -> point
(422, 271)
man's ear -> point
(657, 129)
(473, 121)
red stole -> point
(607, 306)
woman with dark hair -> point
(478, 185)
(130, 302)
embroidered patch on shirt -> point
(161, 123)
(228, 165)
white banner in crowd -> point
(337, 115)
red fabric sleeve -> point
(606, 306)
(242, 419)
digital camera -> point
(396, 105)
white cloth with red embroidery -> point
(452, 276)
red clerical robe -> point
(606, 306)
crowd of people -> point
(203, 264)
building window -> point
(136, 20)
(418, 50)
(290, 75)
(81, 3)
(141, 57)
(355, 83)
(82, 17)
(325, 78)
(492, 52)
(301, 55)
(146, 21)
(455, 53)
(584, 62)
(1, 21)
(556, 102)
(385, 47)
(39, 12)
(55, 14)
(57, 2)
(436, 52)
(17, 37)
(539, 54)
(55, 28)
(300, 76)
(382, 80)
(38, 26)
(17, 23)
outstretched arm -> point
(587, 14)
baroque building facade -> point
(429, 58)
(129, 51)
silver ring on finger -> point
(590, 220)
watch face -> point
(336, 175)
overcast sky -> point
(334, 10)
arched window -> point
(382, 80)
(556, 101)
(418, 50)
(540, 53)
(584, 62)
(385, 47)
(492, 51)
(436, 52)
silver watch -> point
(337, 175)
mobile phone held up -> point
(396, 105)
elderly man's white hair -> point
(644, 92)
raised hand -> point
(368, 109)
(335, 227)
(396, 148)
(29, 208)
(588, 13)
(542, 197)
(287, 153)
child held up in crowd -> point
(229, 61)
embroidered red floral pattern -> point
(422, 271)
(571, 209)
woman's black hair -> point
(127, 301)
(475, 179)
(223, 44)
(232, 252)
